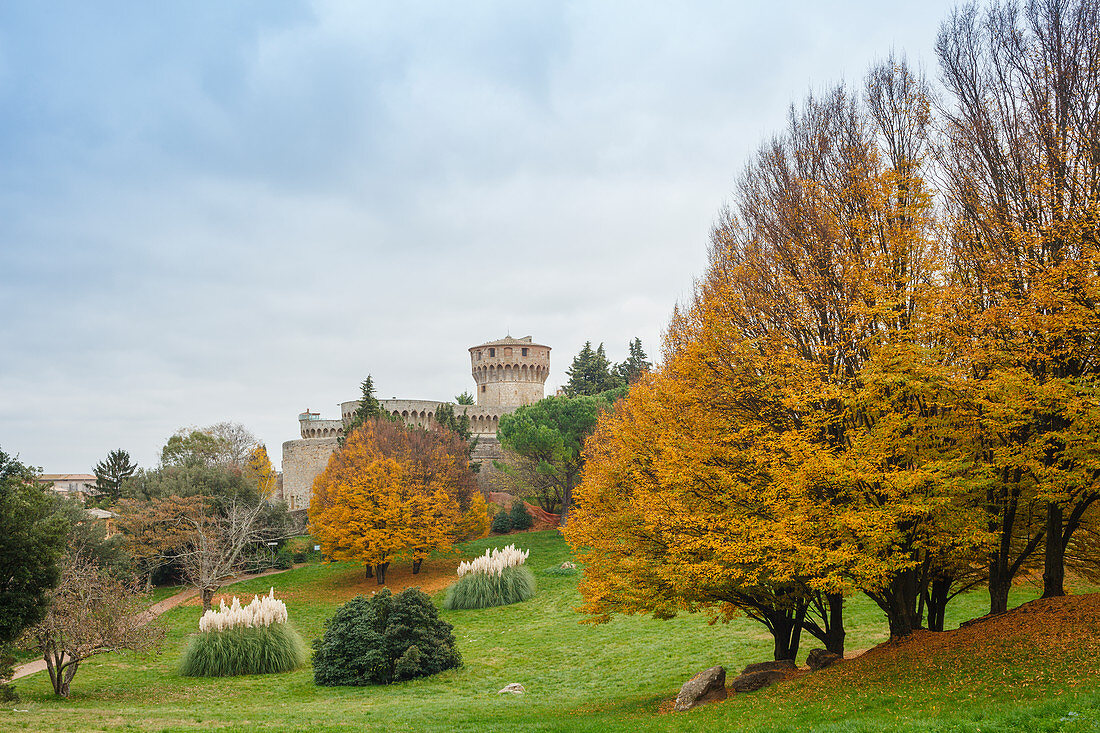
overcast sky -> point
(237, 210)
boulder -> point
(707, 686)
(820, 659)
(786, 665)
(515, 688)
(754, 681)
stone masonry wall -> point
(303, 461)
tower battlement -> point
(509, 372)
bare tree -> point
(238, 442)
(90, 612)
(215, 544)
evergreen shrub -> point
(502, 522)
(518, 515)
(382, 639)
(284, 560)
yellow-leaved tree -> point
(393, 490)
(803, 438)
(259, 468)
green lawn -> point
(610, 677)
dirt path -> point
(148, 615)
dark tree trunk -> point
(416, 565)
(939, 593)
(1054, 561)
(899, 601)
(370, 571)
(834, 634)
(380, 572)
(1000, 583)
(829, 608)
(566, 502)
(207, 599)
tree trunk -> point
(1054, 561)
(380, 572)
(899, 602)
(999, 587)
(938, 595)
(786, 631)
(566, 502)
(208, 598)
(370, 571)
(66, 677)
(416, 565)
(834, 635)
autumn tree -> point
(90, 612)
(802, 440)
(261, 471)
(392, 490)
(152, 533)
(111, 472)
(1020, 134)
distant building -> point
(73, 485)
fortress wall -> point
(511, 393)
(321, 428)
(303, 461)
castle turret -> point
(510, 372)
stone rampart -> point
(303, 461)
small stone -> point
(707, 686)
(754, 681)
(820, 659)
(515, 688)
(786, 665)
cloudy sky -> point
(235, 211)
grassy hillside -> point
(1032, 670)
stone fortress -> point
(509, 372)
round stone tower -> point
(509, 372)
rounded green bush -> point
(484, 590)
(243, 650)
(519, 516)
(382, 639)
(502, 522)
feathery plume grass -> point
(497, 578)
(236, 639)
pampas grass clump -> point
(243, 650)
(254, 639)
(496, 579)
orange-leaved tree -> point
(1020, 135)
(392, 490)
(802, 438)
